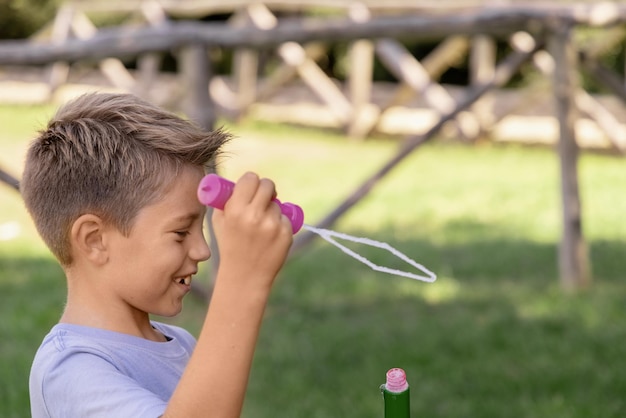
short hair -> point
(110, 155)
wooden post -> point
(360, 86)
(482, 67)
(148, 67)
(245, 63)
(245, 68)
(360, 74)
(195, 73)
(574, 266)
(61, 28)
(149, 64)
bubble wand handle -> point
(215, 191)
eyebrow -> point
(188, 217)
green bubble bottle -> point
(396, 394)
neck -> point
(88, 306)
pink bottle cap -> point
(396, 381)
(215, 191)
(294, 213)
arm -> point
(253, 238)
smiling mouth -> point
(185, 280)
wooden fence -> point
(540, 35)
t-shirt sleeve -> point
(87, 385)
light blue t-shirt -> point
(81, 372)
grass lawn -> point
(494, 336)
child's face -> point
(151, 268)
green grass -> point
(494, 337)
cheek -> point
(150, 255)
(164, 258)
(135, 256)
(129, 253)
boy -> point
(111, 186)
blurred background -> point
(485, 140)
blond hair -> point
(110, 155)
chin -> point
(169, 313)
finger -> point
(287, 222)
(245, 189)
(265, 193)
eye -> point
(182, 234)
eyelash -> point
(182, 234)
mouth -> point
(186, 281)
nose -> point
(200, 250)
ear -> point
(87, 237)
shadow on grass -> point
(494, 336)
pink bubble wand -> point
(215, 191)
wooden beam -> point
(450, 51)
(9, 180)
(112, 68)
(507, 68)
(604, 76)
(285, 73)
(407, 68)
(114, 42)
(606, 121)
(295, 55)
(313, 76)
(574, 266)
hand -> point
(253, 236)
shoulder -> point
(69, 349)
(82, 371)
(87, 344)
(63, 340)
